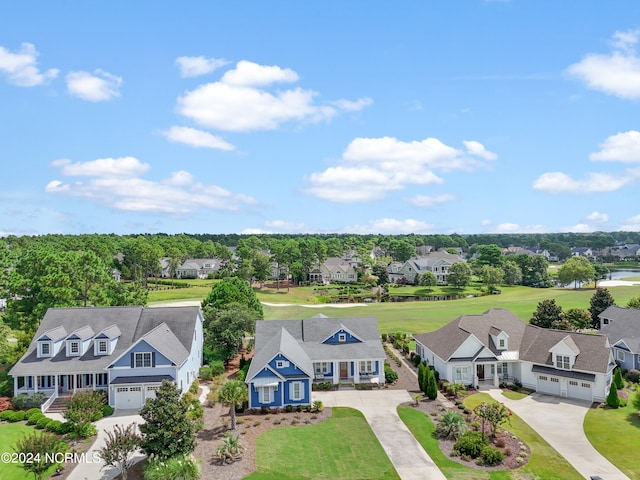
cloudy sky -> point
(296, 117)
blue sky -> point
(300, 117)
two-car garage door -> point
(548, 384)
(578, 389)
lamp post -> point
(483, 409)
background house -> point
(438, 263)
(622, 328)
(291, 354)
(199, 267)
(334, 269)
(125, 351)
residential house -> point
(438, 263)
(582, 252)
(629, 251)
(497, 346)
(292, 354)
(199, 267)
(394, 274)
(622, 327)
(125, 351)
(334, 269)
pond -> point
(623, 273)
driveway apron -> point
(379, 408)
(560, 422)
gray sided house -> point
(497, 346)
(199, 267)
(622, 327)
(125, 351)
(438, 263)
(290, 355)
(334, 269)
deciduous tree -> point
(459, 275)
(578, 270)
(41, 448)
(546, 314)
(121, 443)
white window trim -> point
(99, 349)
(563, 362)
(620, 355)
(342, 337)
(366, 366)
(292, 391)
(40, 349)
(461, 374)
(139, 360)
(265, 395)
(70, 345)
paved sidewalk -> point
(379, 408)
(560, 422)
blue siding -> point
(254, 397)
(265, 372)
(288, 370)
(125, 360)
(286, 388)
(306, 393)
(335, 338)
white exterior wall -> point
(190, 369)
(528, 378)
(468, 348)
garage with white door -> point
(580, 389)
(548, 384)
(128, 397)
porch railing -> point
(45, 406)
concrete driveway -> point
(92, 466)
(379, 408)
(560, 422)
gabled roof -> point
(55, 334)
(110, 332)
(446, 340)
(569, 343)
(132, 323)
(280, 343)
(165, 341)
(594, 349)
(82, 333)
(624, 325)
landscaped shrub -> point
(491, 456)
(206, 374)
(19, 402)
(435, 372)
(54, 426)
(64, 428)
(470, 444)
(36, 399)
(633, 376)
(174, 468)
(617, 379)
(32, 411)
(195, 387)
(415, 359)
(390, 374)
(288, 408)
(42, 422)
(612, 398)
(451, 425)
(16, 416)
(5, 414)
(33, 418)
(217, 367)
(107, 410)
(432, 385)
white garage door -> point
(580, 390)
(151, 392)
(547, 384)
(128, 397)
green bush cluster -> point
(43, 422)
(390, 375)
(205, 374)
(491, 456)
(633, 376)
(33, 418)
(470, 444)
(25, 401)
(322, 386)
(107, 410)
(174, 468)
(13, 416)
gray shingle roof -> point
(302, 340)
(131, 322)
(624, 324)
(83, 333)
(163, 340)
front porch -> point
(491, 375)
(54, 386)
(349, 371)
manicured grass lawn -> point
(342, 447)
(545, 462)
(514, 395)
(616, 435)
(10, 433)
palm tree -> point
(230, 449)
(233, 393)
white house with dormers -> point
(290, 355)
(497, 346)
(125, 351)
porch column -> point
(93, 381)
(55, 384)
(356, 371)
(35, 383)
(496, 377)
(15, 385)
(336, 372)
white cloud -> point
(486, 222)
(431, 200)
(250, 74)
(617, 73)
(102, 167)
(98, 86)
(391, 226)
(353, 106)
(21, 69)
(515, 228)
(284, 225)
(622, 147)
(255, 231)
(597, 217)
(194, 66)
(196, 138)
(237, 103)
(116, 183)
(477, 149)
(558, 182)
(631, 225)
(372, 167)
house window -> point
(461, 374)
(366, 366)
(45, 349)
(142, 359)
(101, 379)
(74, 348)
(296, 391)
(620, 355)
(102, 346)
(321, 367)
(265, 395)
(503, 369)
(282, 364)
(562, 361)
(502, 343)
(342, 337)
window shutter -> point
(133, 360)
(153, 359)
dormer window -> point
(102, 347)
(74, 348)
(45, 349)
(563, 362)
(502, 343)
(342, 337)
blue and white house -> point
(125, 351)
(622, 327)
(290, 355)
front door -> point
(480, 372)
(344, 369)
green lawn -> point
(514, 395)
(545, 462)
(616, 435)
(340, 448)
(10, 433)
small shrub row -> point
(390, 375)
(25, 401)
